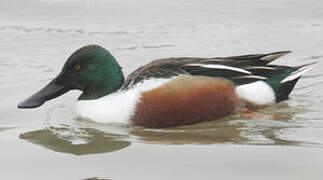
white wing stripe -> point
(259, 67)
(217, 66)
(296, 74)
(250, 77)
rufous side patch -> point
(185, 100)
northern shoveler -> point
(169, 92)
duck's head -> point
(91, 69)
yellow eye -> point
(77, 67)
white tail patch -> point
(218, 66)
(258, 93)
(298, 73)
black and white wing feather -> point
(239, 69)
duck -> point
(169, 92)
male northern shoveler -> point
(169, 92)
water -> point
(50, 143)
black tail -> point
(288, 83)
(285, 89)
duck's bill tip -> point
(29, 105)
(52, 90)
(33, 101)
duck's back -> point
(240, 69)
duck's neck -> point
(109, 83)
(100, 91)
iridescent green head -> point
(91, 69)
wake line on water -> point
(76, 31)
(64, 31)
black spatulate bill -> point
(50, 91)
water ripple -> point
(144, 47)
(56, 30)
(314, 57)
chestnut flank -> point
(185, 100)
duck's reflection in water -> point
(202, 133)
(89, 141)
(86, 137)
(5, 128)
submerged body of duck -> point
(169, 92)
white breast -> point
(116, 107)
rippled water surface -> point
(51, 143)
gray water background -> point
(36, 37)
